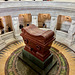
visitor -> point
(9, 28)
(2, 32)
(20, 26)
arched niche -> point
(63, 23)
(25, 20)
(42, 18)
(8, 23)
(5, 24)
(1, 25)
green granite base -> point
(37, 61)
(37, 64)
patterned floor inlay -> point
(6, 53)
(57, 48)
(69, 55)
(15, 66)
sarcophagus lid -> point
(34, 32)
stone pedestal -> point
(37, 61)
(37, 65)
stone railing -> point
(6, 38)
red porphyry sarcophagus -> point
(38, 41)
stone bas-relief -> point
(65, 26)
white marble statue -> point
(35, 20)
(47, 22)
(17, 31)
(53, 23)
(15, 24)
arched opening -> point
(5, 24)
(8, 22)
(63, 23)
(24, 20)
(43, 19)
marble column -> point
(71, 32)
(17, 31)
(53, 23)
(4, 23)
(35, 20)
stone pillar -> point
(53, 23)
(4, 23)
(71, 32)
(17, 31)
(35, 20)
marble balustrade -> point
(52, 8)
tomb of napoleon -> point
(36, 52)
